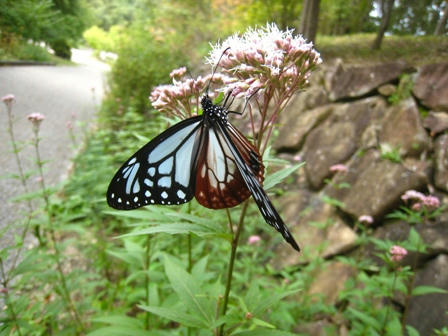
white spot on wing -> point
(164, 194)
(148, 182)
(181, 194)
(166, 167)
(132, 161)
(164, 182)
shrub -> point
(142, 63)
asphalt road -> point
(60, 93)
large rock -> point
(336, 139)
(376, 185)
(318, 230)
(436, 122)
(329, 281)
(428, 312)
(441, 162)
(402, 129)
(431, 86)
(350, 82)
(296, 122)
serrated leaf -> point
(188, 290)
(366, 319)
(172, 314)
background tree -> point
(339, 17)
(59, 23)
(441, 24)
(386, 10)
(309, 19)
(416, 17)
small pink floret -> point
(253, 239)
(397, 253)
(338, 168)
(366, 219)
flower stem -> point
(235, 239)
(147, 264)
(383, 328)
(8, 300)
(57, 253)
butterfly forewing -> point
(219, 183)
(160, 172)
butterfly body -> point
(203, 157)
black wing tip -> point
(293, 243)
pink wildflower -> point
(365, 219)
(9, 99)
(338, 168)
(36, 119)
(3, 290)
(420, 200)
(178, 73)
(253, 239)
(412, 195)
(431, 202)
(180, 97)
(69, 125)
(274, 58)
(397, 253)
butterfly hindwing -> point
(219, 183)
(160, 172)
(263, 202)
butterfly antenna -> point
(214, 70)
(249, 98)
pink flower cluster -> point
(183, 95)
(265, 58)
(420, 200)
(36, 119)
(397, 253)
(9, 100)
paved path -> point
(58, 92)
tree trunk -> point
(309, 19)
(386, 10)
(440, 29)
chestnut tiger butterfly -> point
(203, 157)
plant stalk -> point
(235, 239)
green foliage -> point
(142, 64)
(390, 153)
(99, 39)
(404, 89)
(345, 17)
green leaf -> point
(119, 320)
(188, 290)
(124, 331)
(422, 290)
(264, 332)
(175, 228)
(412, 331)
(366, 319)
(173, 314)
(279, 176)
